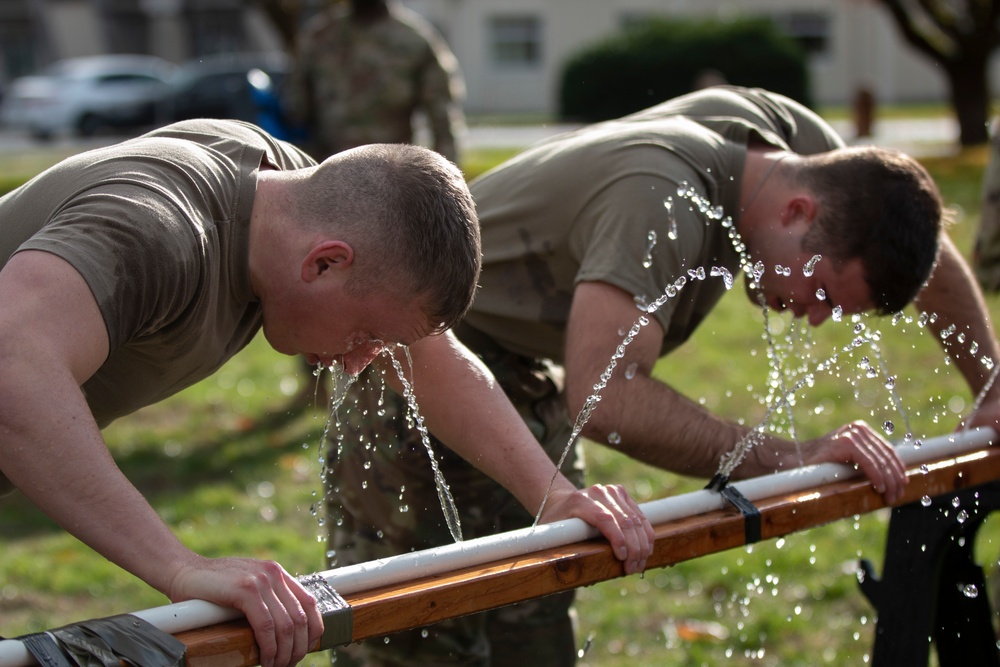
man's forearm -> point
(961, 320)
(650, 422)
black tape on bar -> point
(751, 515)
(106, 642)
(45, 649)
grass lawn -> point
(233, 477)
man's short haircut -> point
(408, 214)
(881, 206)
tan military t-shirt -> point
(157, 226)
(590, 206)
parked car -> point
(85, 95)
(218, 86)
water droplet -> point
(810, 266)
(821, 294)
(969, 590)
(630, 370)
(614, 438)
(668, 204)
(650, 244)
(727, 277)
(837, 313)
(926, 501)
(888, 427)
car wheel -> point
(88, 125)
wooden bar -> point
(425, 601)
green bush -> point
(661, 59)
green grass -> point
(232, 477)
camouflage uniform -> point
(382, 501)
(986, 254)
(356, 83)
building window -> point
(810, 29)
(515, 41)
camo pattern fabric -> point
(986, 253)
(382, 500)
(355, 83)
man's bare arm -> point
(466, 408)
(655, 424)
(52, 338)
(953, 297)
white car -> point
(84, 95)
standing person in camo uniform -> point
(362, 72)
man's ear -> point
(325, 256)
(800, 208)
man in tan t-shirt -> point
(581, 229)
(132, 271)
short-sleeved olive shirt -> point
(158, 227)
(592, 205)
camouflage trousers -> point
(382, 500)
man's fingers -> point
(859, 444)
(630, 523)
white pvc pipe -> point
(193, 614)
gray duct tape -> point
(106, 642)
(338, 618)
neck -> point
(262, 237)
(758, 163)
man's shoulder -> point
(233, 137)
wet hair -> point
(407, 213)
(878, 205)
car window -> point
(126, 78)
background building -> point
(511, 51)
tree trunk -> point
(970, 99)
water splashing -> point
(647, 261)
(810, 266)
(444, 493)
(668, 204)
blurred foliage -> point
(660, 59)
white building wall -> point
(863, 46)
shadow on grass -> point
(164, 475)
